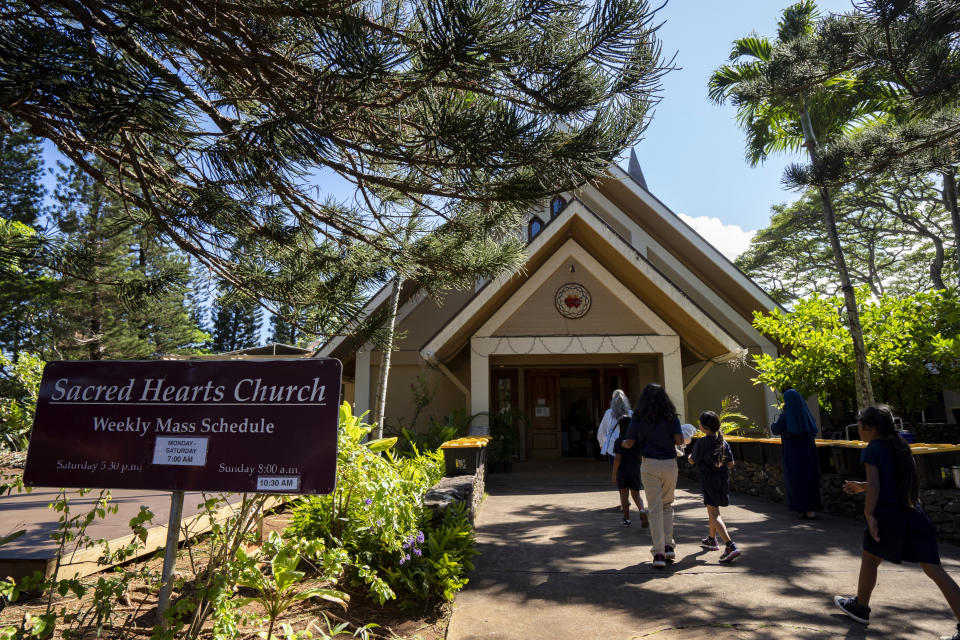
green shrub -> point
(19, 389)
(376, 508)
(436, 564)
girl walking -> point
(626, 475)
(714, 459)
(897, 528)
(655, 430)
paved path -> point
(35, 549)
(555, 564)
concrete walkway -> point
(555, 564)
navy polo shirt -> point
(654, 438)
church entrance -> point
(564, 407)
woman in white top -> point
(608, 432)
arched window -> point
(556, 205)
(535, 226)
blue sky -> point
(693, 153)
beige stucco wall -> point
(720, 381)
(427, 317)
(539, 316)
(404, 372)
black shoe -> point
(730, 553)
(854, 609)
(668, 553)
(955, 636)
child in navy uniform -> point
(897, 528)
(714, 458)
(626, 475)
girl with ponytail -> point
(713, 457)
(897, 528)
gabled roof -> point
(685, 245)
(700, 332)
(627, 190)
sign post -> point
(241, 426)
(170, 553)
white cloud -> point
(729, 239)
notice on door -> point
(207, 425)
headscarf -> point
(799, 420)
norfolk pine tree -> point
(121, 294)
(214, 122)
(25, 292)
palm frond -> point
(753, 46)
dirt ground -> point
(134, 614)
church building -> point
(616, 292)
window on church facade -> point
(535, 226)
(556, 205)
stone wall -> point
(463, 489)
(766, 481)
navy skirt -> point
(629, 480)
(905, 535)
(716, 488)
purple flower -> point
(419, 537)
(403, 560)
(368, 502)
(380, 522)
(407, 557)
(417, 552)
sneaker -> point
(854, 609)
(668, 553)
(644, 519)
(730, 553)
(659, 561)
(955, 636)
(710, 544)
(624, 523)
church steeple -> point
(635, 171)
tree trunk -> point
(861, 368)
(950, 200)
(381, 406)
(936, 267)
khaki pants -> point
(659, 482)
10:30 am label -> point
(279, 484)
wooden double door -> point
(563, 406)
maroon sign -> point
(194, 425)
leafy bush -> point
(436, 563)
(18, 399)
(913, 347)
(377, 506)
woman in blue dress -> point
(801, 468)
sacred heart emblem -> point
(572, 300)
